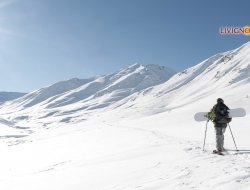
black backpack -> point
(221, 114)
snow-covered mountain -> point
(7, 96)
(116, 86)
(88, 94)
(148, 89)
(225, 75)
(139, 90)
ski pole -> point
(233, 137)
(205, 136)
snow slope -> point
(146, 140)
(108, 156)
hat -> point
(220, 100)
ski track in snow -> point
(229, 171)
(158, 162)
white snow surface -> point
(132, 130)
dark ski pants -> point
(219, 131)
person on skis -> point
(220, 120)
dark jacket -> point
(221, 120)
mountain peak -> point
(137, 84)
(118, 85)
(136, 65)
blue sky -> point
(46, 41)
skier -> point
(220, 121)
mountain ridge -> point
(148, 89)
(8, 96)
(102, 89)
